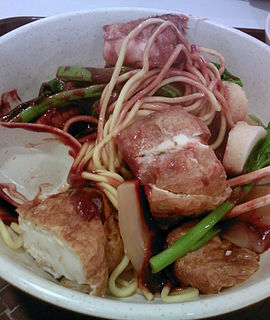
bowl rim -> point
(42, 20)
(267, 29)
(119, 308)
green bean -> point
(95, 75)
(184, 244)
(51, 87)
(56, 100)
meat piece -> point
(66, 236)
(167, 151)
(163, 201)
(247, 235)
(216, 265)
(160, 50)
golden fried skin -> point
(167, 150)
(114, 246)
(216, 265)
(84, 222)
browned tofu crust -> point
(84, 235)
(216, 265)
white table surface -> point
(235, 13)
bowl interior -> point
(31, 55)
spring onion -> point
(208, 236)
(184, 244)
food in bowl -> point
(153, 136)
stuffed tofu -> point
(67, 236)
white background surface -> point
(234, 13)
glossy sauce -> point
(57, 118)
(7, 212)
(88, 203)
(150, 281)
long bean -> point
(56, 100)
(95, 75)
(184, 244)
(51, 87)
(47, 89)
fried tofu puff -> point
(70, 236)
(217, 264)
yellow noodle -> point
(15, 227)
(181, 296)
(221, 133)
(125, 290)
(111, 198)
(87, 155)
(211, 97)
(216, 54)
(113, 175)
(179, 100)
(95, 177)
(105, 153)
(109, 188)
(146, 293)
(12, 244)
(128, 85)
(112, 158)
(81, 154)
(109, 88)
(126, 173)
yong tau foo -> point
(160, 198)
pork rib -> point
(160, 50)
(167, 151)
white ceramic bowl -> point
(267, 29)
(31, 54)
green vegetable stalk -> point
(257, 120)
(260, 155)
(51, 87)
(189, 241)
(56, 100)
(204, 239)
(227, 76)
(86, 74)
